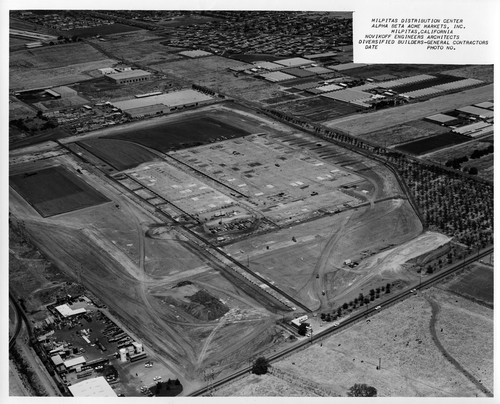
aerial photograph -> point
(208, 203)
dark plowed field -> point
(476, 283)
(180, 135)
(428, 144)
(318, 109)
(55, 190)
(119, 154)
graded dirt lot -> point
(120, 154)
(426, 346)
(374, 121)
(135, 276)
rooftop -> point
(129, 74)
(97, 387)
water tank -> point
(123, 354)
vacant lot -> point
(404, 133)
(423, 146)
(190, 132)
(374, 121)
(55, 190)
(404, 338)
(476, 283)
(120, 154)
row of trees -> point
(359, 301)
(450, 202)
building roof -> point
(292, 62)
(321, 55)
(346, 66)
(477, 111)
(146, 110)
(67, 311)
(172, 99)
(329, 87)
(318, 70)
(57, 360)
(268, 65)
(74, 361)
(441, 118)
(129, 74)
(96, 387)
(486, 105)
(277, 76)
(194, 53)
(473, 127)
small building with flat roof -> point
(294, 62)
(96, 387)
(74, 362)
(66, 311)
(475, 111)
(442, 119)
(131, 76)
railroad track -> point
(359, 316)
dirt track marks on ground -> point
(432, 325)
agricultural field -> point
(433, 344)
(423, 146)
(55, 65)
(55, 190)
(485, 166)
(318, 109)
(122, 155)
(404, 133)
(374, 121)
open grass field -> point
(476, 283)
(404, 338)
(318, 109)
(190, 132)
(122, 155)
(378, 120)
(478, 72)
(143, 47)
(101, 30)
(21, 79)
(485, 166)
(404, 133)
(423, 146)
(55, 190)
(55, 65)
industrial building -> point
(96, 387)
(442, 119)
(130, 76)
(162, 103)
